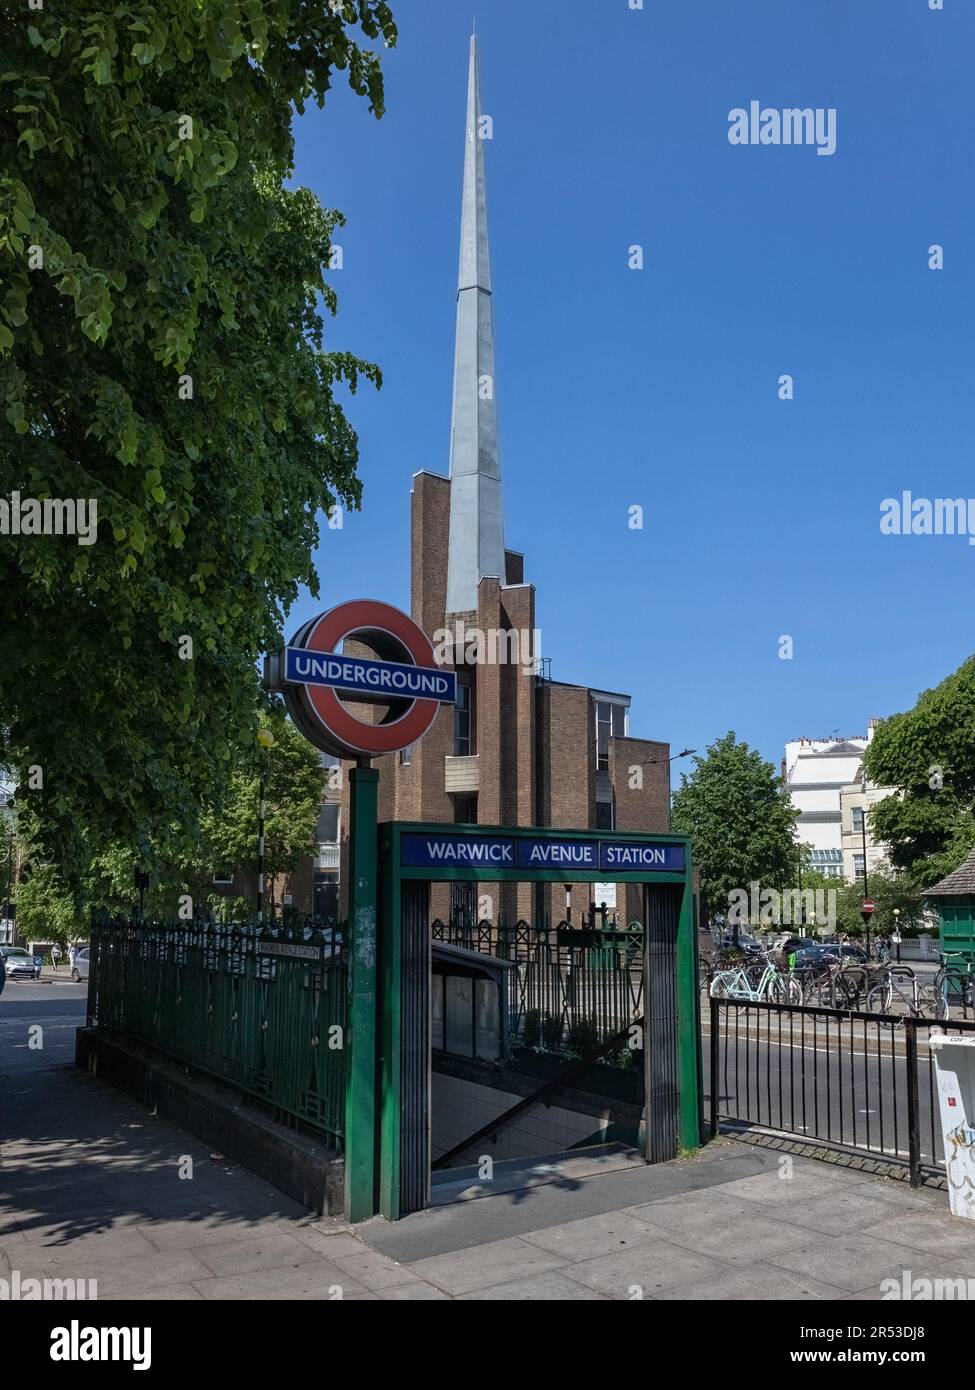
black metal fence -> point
(263, 1008)
(571, 987)
(864, 1082)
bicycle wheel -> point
(753, 973)
(783, 989)
(822, 990)
(955, 987)
(942, 1008)
(879, 999)
(846, 992)
(719, 986)
(932, 1001)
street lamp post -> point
(10, 852)
(802, 901)
(863, 833)
(266, 741)
(863, 841)
(7, 928)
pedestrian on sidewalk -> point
(55, 955)
(72, 952)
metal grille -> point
(261, 1008)
(568, 981)
(859, 1081)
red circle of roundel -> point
(326, 634)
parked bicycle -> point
(843, 984)
(955, 982)
(898, 990)
(754, 984)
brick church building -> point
(521, 748)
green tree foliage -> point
(162, 292)
(888, 890)
(293, 791)
(928, 753)
(46, 909)
(227, 840)
(742, 823)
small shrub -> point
(551, 1033)
(531, 1033)
(583, 1037)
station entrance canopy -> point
(411, 857)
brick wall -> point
(536, 742)
(643, 806)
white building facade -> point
(825, 781)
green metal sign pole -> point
(360, 1033)
(688, 1025)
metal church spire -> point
(476, 541)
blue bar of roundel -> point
(359, 675)
(634, 856)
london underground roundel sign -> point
(315, 674)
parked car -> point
(18, 962)
(814, 953)
(79, 971)
(746, 943)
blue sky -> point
(660, 387)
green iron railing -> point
(572, 987)
(262, 1008)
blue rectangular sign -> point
(419, 851)
(359, 675)
(639, 855)
(558, 854)
(456, 852)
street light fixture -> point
(685, 753)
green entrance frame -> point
(670, 992)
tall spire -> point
(476, 541)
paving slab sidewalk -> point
(94, 1187)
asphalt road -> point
(57, 1007)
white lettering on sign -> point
(638, 855)
(561, 854)
(415, 682)
(476, 852)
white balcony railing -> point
(462, 774)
